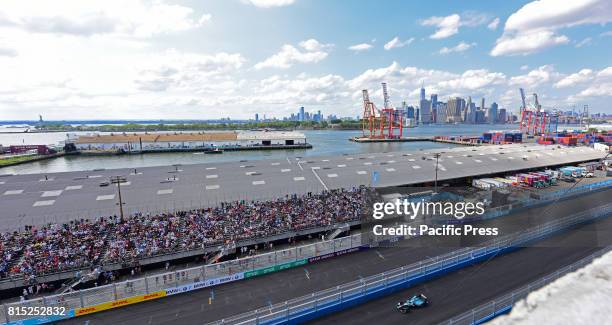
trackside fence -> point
(155, 286)
(503, 305)
(337, 298)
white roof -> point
(269, 135)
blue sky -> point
(209, 59)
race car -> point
(416, 301)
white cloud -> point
(534, 27)
(524, 67)
(7, 52)
(534, 78)
(575, 78)
(269, 3)
(195, 72)
(290, 55)
(360, 47)
(473, 80)
(604, 34)
(100, 17)
(314, 45)
(461, 47)
(446, 26)
(527, 43)
(584, 42)
(597, 90)
(607, 72)
(396, 43)
(493, 24)
(449, 25)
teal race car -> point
(416, 301)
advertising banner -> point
(274, 268)
(118, 303)
(204, 284)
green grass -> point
(12, 160)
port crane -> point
(385, 123)
(533, 118)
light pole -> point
(118, 180)
(437, 155)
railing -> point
(211, 274)
(503, 304)
(403, 276)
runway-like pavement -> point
(37, 198)
(242, 296)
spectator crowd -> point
(84, 243)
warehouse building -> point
(176, 141)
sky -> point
(140, 59)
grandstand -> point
(37, 251)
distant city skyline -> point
(174, 59)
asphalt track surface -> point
(471, 287)
(242, 296)
(58, 197)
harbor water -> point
(325, 142)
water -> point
(325, 142)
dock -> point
(463, 141)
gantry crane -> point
(381, 124)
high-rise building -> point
(433, 102)
(425, 107)
(493, 114)
(441, 112)
(301, 114)
(482, 104)
(422, 93)
(409, 112)
(479, 116)
(454, 109)
(502, 116)
(256, 117)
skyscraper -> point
(301, 114)
(433, 102)
(425, 108)
(422, 92)
(493, 114)
(454, 109)
(502, 116)
(256, 117)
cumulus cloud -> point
(575, 78)
(535, 26)
(396, 43)
(179, 70)
(100, 17)
(524, 43)
(303, 90)
(446, 26)
(493, 24)
(290, 55)
(360, 47)
(449, 25)
(461, 47)
(269, 3)
(314, 45)
(534, 78)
